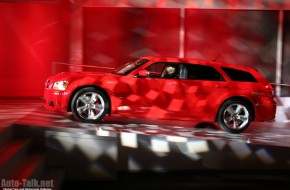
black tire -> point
(89, 105)
(235, 116)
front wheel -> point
(235, 116)
(89, 105)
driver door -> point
(158, 94)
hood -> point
(76, 75)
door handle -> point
(221, 86)
(172, 83)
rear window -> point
(202, 72)
(238, 75)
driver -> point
(170, 70)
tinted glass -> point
(171, 70)
(238, 75)
(202, 72)
(130, 66)
(164, 70)
(155, 69)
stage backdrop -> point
(113, 36)
(33, 34)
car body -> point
(146, 87)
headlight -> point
(60, 85)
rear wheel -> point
(89, 105)
(235, 116)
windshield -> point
(130, 66)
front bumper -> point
(56, 100)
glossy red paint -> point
(135, 95)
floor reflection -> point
(34, 114)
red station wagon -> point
(166, 88)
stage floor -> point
(184, 154)
(31, 112)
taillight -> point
(270, 88)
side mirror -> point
(143, 73)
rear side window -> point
(238, 75)
(202, 72)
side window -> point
(171, 70)
(238, 75)
(203, 72)
(163, 70)
(156, 69)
